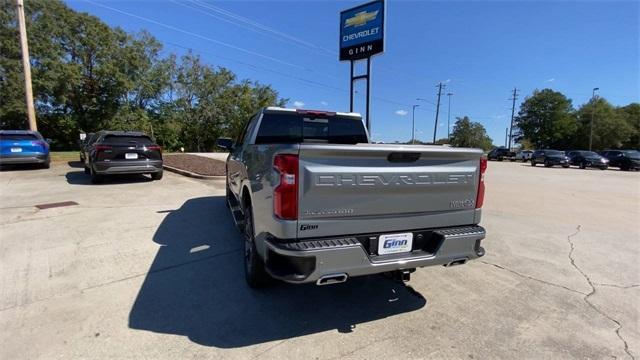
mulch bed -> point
(195, 164)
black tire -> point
(86, 170)
(583, 165)
(156, 175)
(565, 166)
(547, 164)
(47, 164)
(500, 158)
(95, 178)
(254, 271)
(533, 163)
(604, 168)
(625, 168)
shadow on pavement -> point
(195, 288)
(21, 167)
(76, 164)
(80, 178)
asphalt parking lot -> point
(153, 269)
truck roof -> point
(289, 110)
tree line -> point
(548, 120)
(88, 76)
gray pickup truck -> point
(318, 203)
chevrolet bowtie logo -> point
(361, 18)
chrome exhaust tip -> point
(455, 262)
(332, 279)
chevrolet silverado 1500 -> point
(318, 203)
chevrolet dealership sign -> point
(362, 31)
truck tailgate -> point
(367, 188)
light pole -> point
(413, 124)
(593, 111)
(449, 118)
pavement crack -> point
(593, 291)
(532, 278)
(617, 286)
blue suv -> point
(23, 147)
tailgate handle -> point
(403, 157)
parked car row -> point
(102, 153)
(623, 159)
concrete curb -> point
(192, 174)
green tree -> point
(88, 76)
(610, 129)
(467, 133)
(546, 119)
(631, 114)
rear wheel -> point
(533, 163)
(583, 165)
(47, 164)
(156, 175)
(547, 163)
(254, 271)
(86, 170)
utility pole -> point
(449, 118)
(28, 92)
(435, 128)
(506, 135)
(514, 97)
(593, 111)
(413, 125)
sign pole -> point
(361, 37)
(351, 87)
(368, 95)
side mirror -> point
(225, 144)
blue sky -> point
(481, 50)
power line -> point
(266, 29)
(222, 43)
(284, 36)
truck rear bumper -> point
(309, 260)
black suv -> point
(501, 154)
(122, 152)
(623, 159)
(585, 159)
(549, 158)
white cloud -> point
(324, 103)
(401, 112)
(298, 104)
(550, 80)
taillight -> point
(285, 195)
(102, 147)
(154, 148)
(483, 169)
(39, 143)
